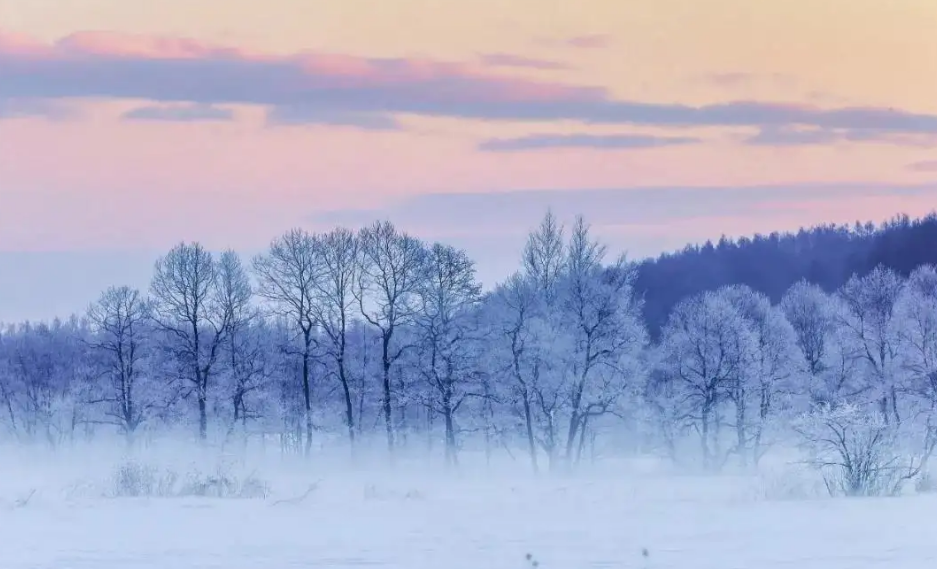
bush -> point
(136, 480)
(857, 452)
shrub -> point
(133, 479)
(857, 452)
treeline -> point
(347, 337)
(826, 255)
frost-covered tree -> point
(121, 336)
(47, 375)
(917, 312)
(706, 347)
(288, 277)
(188, 307)
(245, 350)
(600, 316)
(446, 325)
(387, 293)
(510, 313)
(771, 381)
(811, 315)
(871, 327)
(335, 303)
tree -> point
(917, 312)
(187, 306)
(859, 453)
(288, 276)
(771, 375)
(446, 324)
(335, 301)
(544, 259)
(871, 325)
(245, 349)
(602, 318)
(391, 266)
(120, 318)
(706, 347)
(510, 311)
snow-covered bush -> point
(857, 451)
(134, 480)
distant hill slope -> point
(826, 255)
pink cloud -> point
(180, 70)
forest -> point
(711, 356)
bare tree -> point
(245, 357)
(338, 253)
(544, 261)
(511, 311)
(188, 308)
(387, 295)
(544, 257)
(119, 318)
(706, 346)
(871, 323)
(446, 321)
(603, 322)
(288, 275)
(859, 452)
(771, 375)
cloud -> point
(594, 141)
(41, 108)
(305, 115)
(106, 65)
(923, 166)
(179, 113)
(511, 60)
(646, 220)
(521, 209)
(788, 136)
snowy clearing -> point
(409, 519)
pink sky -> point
(127, 126)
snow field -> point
(417, 518)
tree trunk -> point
(202, 414)
(529, 423)
(450, 428)
(349, 408)
(306, 397)
(388, 418)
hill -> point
(826, 255)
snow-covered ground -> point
(411, 519)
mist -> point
(356, 398)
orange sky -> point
(75, 175)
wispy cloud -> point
(923, 166)
(310, 115)
(180, 70)
(814, 136)
(41, 108)
(517, 210)
(512, 60)
(593, 141)
(179, 113)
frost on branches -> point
(375, 337)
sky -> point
(127, 127)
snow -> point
(419, 517)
